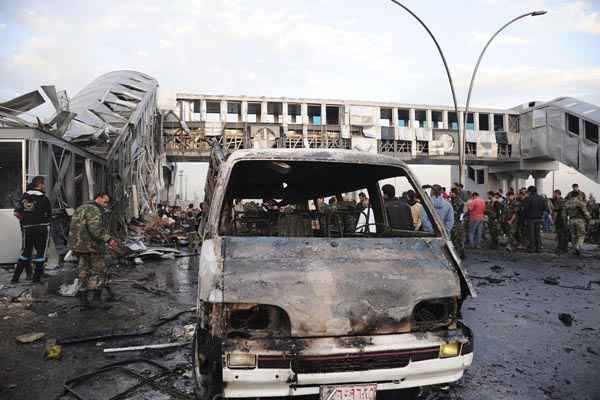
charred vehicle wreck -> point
(301, 292)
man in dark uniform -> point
(397, 210)
(561, 222)
(34, 211)
(535, 205)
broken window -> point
(11, 173)
(421, 119)
(294, 113)
(452, 120)
(471, 173)
(234, 111)
(299, 199)
(314, 114)
(332, 114)
(470, 122)
(573, 124)
(254, 110)
(213, 111)
(197, 106)
(274, 112)
(513, 123)
(480, 176)
(385, 117)
(437, 119)
(484, 122)
(591, 131)
(498, 122)
(403, 117)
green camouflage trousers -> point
(577, 227)
(457, 234)
(494, 228)
(92, 271)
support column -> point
(323, 114)
(505, 120)
(395, 117)
(223, 111)
(429, 119)
(284, 117)
(203, 110)
(411, 118)
(304, 113)
(263, 111)
(491, 122)
(539, 176)
(475, 121)
(244, 111)
(445, 119)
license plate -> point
(349, 392)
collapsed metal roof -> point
(106, 107)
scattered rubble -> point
(566, 319)
(30, 337)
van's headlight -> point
(241, 360)
(449, 349)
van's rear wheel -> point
(208, 372)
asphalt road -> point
(522, 349)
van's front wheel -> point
(208, 371)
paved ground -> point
(523, 351)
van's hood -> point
(336, 287)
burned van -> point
(305, 288)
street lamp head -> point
(540, 12)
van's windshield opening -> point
(321, 199)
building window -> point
(213, 107)
(498, 122)
(332, 113)
(403, 118)
(314, 114)
(197, 106)
(452, 120)
(513, 123)
(591, 131)
(385, 116)
(421, 118)
(573, 124)
(480, 177)
(254, 110)
(471, 173)
(484, 122)
(437, 118)
(294, 112)
(471, 148)
(470, 122)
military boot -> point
(18, 271)
(39, 271)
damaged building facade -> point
(503, 147)
(107, 137)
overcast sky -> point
(347, 49)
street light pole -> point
(466, 118)
(461, 149)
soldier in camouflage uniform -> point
(578, 217)
(495, 213)
(457, 233)
(561, 222)
(512, 215)
(89, 240)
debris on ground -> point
(53, 351)
(591, 351)
(183, 332)
(566, 319)
(147, 347)
(497, 268)
(69, 290)
(30, 337)
(153, 290)
(552, 280)
(489, 279)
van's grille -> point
(361, 361)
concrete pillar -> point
(263, 111)
(429, 119)
(445, 119)
(203, 110)
(461, 118)
(244, 111)
(323, 114)
(223, 111)
(411, 118)
(284, 112)
(475, 121)
(505, 120)
(539, 176)
(491, 122)
(395, 117)
(304, 112)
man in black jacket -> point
(534, 208)
(34, 211)
(397, 210)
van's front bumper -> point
(294, 367)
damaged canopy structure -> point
(113, 124)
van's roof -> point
(321, 155)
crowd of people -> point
(189, 216)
